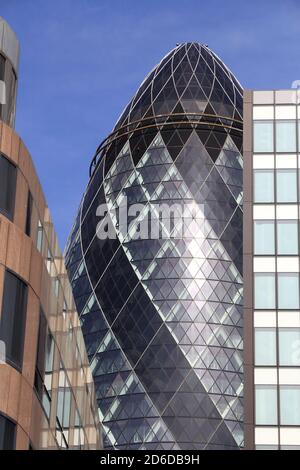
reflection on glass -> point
(265, 346)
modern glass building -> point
(271, 269)
(47, 395)
(161, 313)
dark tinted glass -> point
(7, 434)
(40, 356)
(2, 67)
(13, 318)
(28, 214)
(7, 187)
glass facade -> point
(162, 316)
(274, 215)
(13, 318)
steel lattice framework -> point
(162, 318)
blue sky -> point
(82, 60)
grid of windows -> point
(276, 272)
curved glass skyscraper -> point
(161, 306)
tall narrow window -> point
(263, 136)
(264, 290)
(7, 187)
(10, 93)
(289, 346)
(285, 136)
(39, 237)
(288, 290)
(2, 67)
(63, 408)
(29, 214)
(13, 318)
(290, 405)
(7, 434)
(44, 364)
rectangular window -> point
(264, 237)
(266, 404)
(11, 93)
(266, 447)
(288, 290)
(285, 136)
(289, 346)
(40, 356)
(28, 214)
(286, 185)
(7, 434)
(2, 67)
(39, 237)
(264, 290)
(13, 318)
(2, 72)
(263, 185)
(290, 405)
(44, 364)
(67, 408)
(287, 237)
(263, 136)
(8, 174)
(265, 346)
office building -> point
(271, 269)
(47, 398)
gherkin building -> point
(162, 316)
